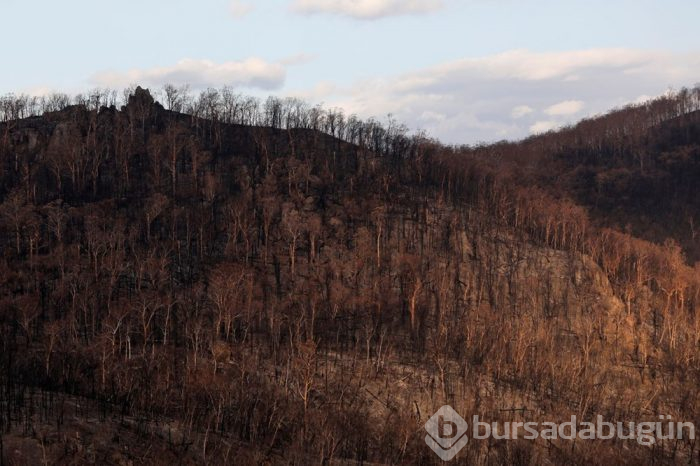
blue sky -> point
(464, 70)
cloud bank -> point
(253, 73)
(366, 9)
(514, 94)
(568, 107)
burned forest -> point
(219, 279)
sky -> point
(464, 71)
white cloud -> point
(239, 9)
(543, 126)
(520, 111)
(366, 9)
(567, 107)
(533, 66)
(250, 73)
(481, 99)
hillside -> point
(279, 284)
(634, 169)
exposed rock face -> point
(141, 98)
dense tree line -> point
(272, 281)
